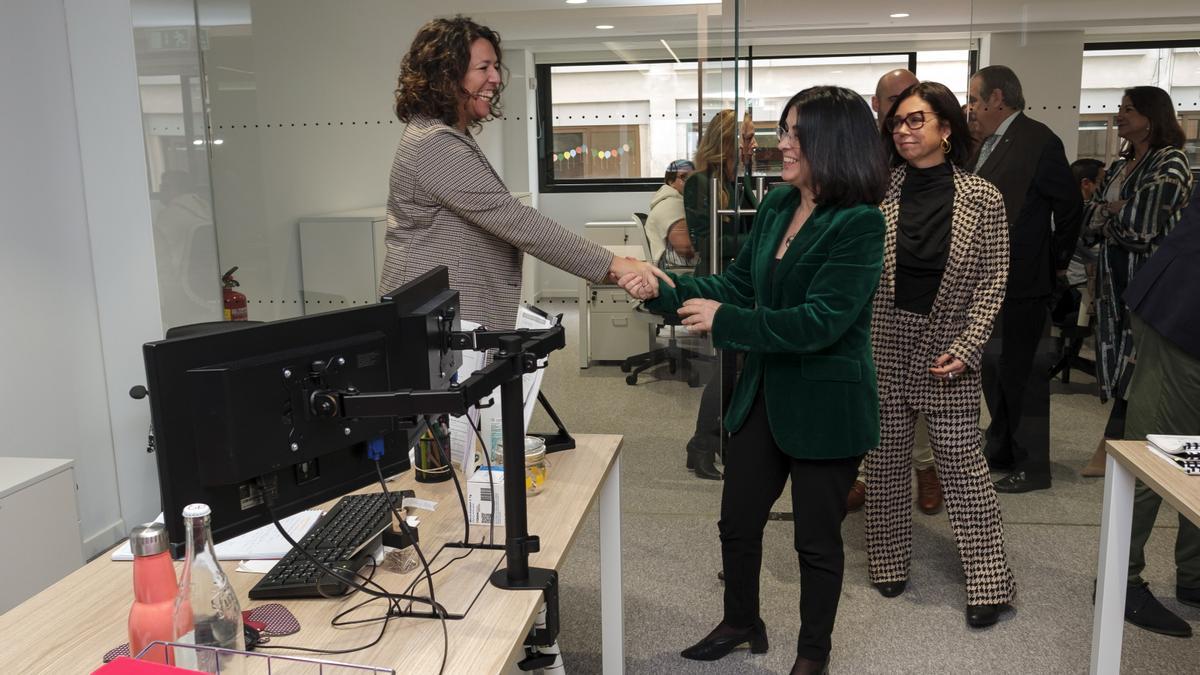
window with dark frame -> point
(648, 114)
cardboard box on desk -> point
(483, 498)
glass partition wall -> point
(270, 137)
(264, 120)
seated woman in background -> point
(447, 206)
(944, 275)
(1139, 201)
(797, 300)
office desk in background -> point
(1128, 461)
(68, 627)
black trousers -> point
(713, 401)
(755, 472)
(1017, 392)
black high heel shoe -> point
(890, 589)
(703, 463)
(724, 639)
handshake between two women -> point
(642, 280)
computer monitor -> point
(233, 410)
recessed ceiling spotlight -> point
(604, 26)
(576, 2)
(899, 15)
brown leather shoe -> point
(857, 496)
(929, 491)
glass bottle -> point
(206, 607)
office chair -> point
(675, 356)
(206, 328)
(1071, 335)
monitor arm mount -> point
(518, 352)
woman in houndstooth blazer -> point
(944, 273)
(447, 206)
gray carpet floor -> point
(671, 555)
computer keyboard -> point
(339, 540)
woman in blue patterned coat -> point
(1139, 201)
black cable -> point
(339, 575)
(314, 650)
(445, 460)
(437, 609)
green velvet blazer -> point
(807, 333)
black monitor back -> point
(231, 411)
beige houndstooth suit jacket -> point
(447, 206)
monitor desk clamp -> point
(519, 353)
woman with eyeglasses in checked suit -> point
(944, 273)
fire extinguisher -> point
(235, 301)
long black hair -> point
(836, 132)
(946, 106)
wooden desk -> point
(68, 627)
(1127, 461)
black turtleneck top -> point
(923, 235)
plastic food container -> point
(537, 467)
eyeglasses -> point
(914, 120)
(782, 132)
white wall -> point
(322, 79)
(54, 402)
(1050, 67)
(113, 161)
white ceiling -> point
(553, 25)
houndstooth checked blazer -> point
(447, 206)
(970, 295)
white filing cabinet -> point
(609, 328)
(341, 259)
(615, 233)
(39, 525)
(342, 254)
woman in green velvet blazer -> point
(797, 300)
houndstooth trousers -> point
(969, 495)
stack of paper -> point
(1183, 452)
(265, 543)
(1182, 446)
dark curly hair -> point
(431, 73)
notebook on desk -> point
(1183, 452)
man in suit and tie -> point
(1026, 161)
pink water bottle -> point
(154, 589)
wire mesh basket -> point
(234, 662)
